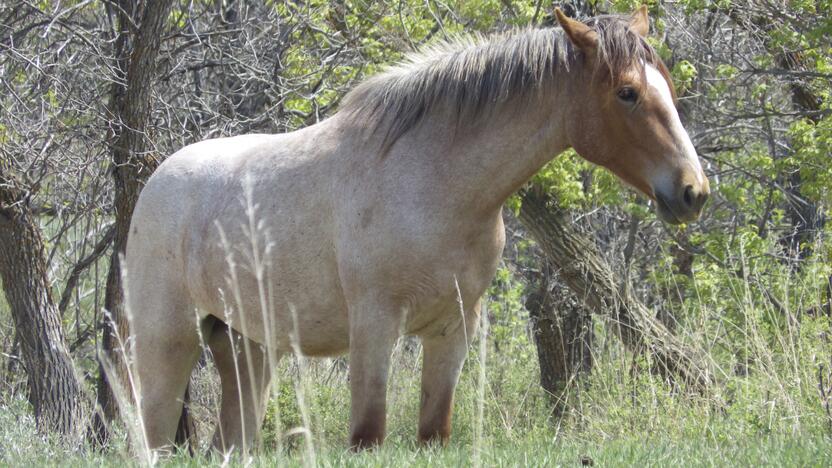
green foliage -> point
(812, 151)
(562, 177)
(683, 73)
(504, 311)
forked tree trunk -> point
(591, 279)
(54, 389)
(132, 165)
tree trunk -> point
(132, 165)
(54, 389)
(806, 216)
(562, 331)
(591, 279)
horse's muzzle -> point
(683, 206)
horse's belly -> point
(323, 331)
(295, 304)
(311, 313)
(311, 320)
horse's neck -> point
(483, 164)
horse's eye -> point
(627, 94)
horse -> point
(384, 219)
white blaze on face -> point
(658, 85)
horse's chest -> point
(447, 278)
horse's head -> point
(625, 118)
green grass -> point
(620, 415)
(546, 452)
(630, 451)
(545, 448)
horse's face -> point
(628, 123)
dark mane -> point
(475, 73)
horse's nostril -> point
(688, 196)
(703, 197)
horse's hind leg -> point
(245, 372)
(441, 364)
(165, 349)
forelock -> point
(620, 49)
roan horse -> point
(382, 219)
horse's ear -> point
(580, 34)
(640, 22)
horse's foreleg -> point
(245, 372)
(374, 330)
(441, 364)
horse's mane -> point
(473, 73)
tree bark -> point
(54, 389)
(589, 276)
(806, 216)
(562, 332)
(133, 163)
